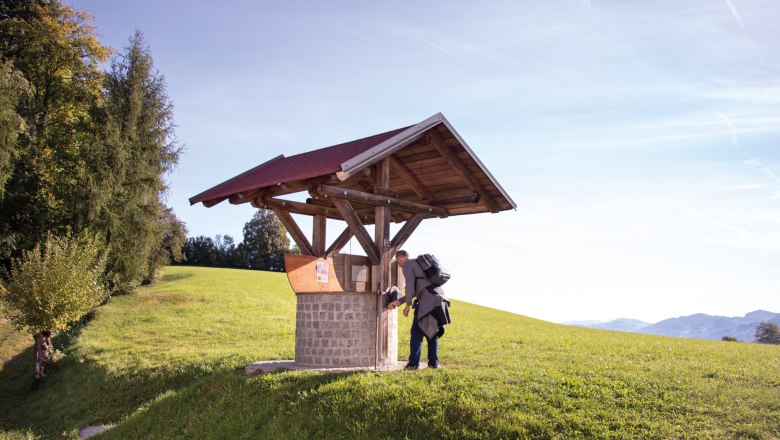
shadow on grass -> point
(77, 393)
(231, 405)
(170, 277)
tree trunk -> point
(42, 353)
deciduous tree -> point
(51, 286)
(768, 333)
(265, 241)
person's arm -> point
(410, 280)
(409, 290)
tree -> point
(171, 248)
(768, 333)
(51, 286)
(729, 339)
(13, 87)
(265, 242)
(94, 146)
(201, 251)
(142, 148)
(49, 189)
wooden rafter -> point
(463, 171)
(291, 187)
(296, 207)
(294, 231)
(377, 200)
(410, 178)
(405, 232)
(339, 242)
(356, 226)
(471, 198)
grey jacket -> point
(428, 300)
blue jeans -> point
(415, 346)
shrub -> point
(51, 286)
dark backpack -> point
(434, 273)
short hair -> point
(401, 253)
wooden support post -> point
(318, 235)
(339, 243)
(405, 232)
(382, 279)
(356, 226)
(295, 232)
(463, 171)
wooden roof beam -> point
(339, 242)
(294, 231)
(356, 226)
(405, 232)
(296, 207)
(471, 198)
(463, 171)
(410, 178)
(377, 200)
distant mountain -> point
(620, 324)
(701, 326)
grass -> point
(166, 363)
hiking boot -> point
(410, 367)
(436, 365)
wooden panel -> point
(302, 274)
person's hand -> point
(393, 305)
(406, 311)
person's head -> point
(401, 257)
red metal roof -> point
(301, 166)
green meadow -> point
(167, 362)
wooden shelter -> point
(404, 176)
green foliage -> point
(171, 247)
(165, 363)
(265, 241)
(13, 87)
(768, 333)
(141, 149)
(729, 339)
(54, 47)
(55, 284)
(95, 146)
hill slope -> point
(165, 363)
(703, 326)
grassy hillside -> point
(165, 363)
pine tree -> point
(141, 149)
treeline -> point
(263, 247)
(83, 148)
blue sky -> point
(641, 140)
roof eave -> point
(386, 148)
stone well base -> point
(335, 330)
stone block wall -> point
(335, 330)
